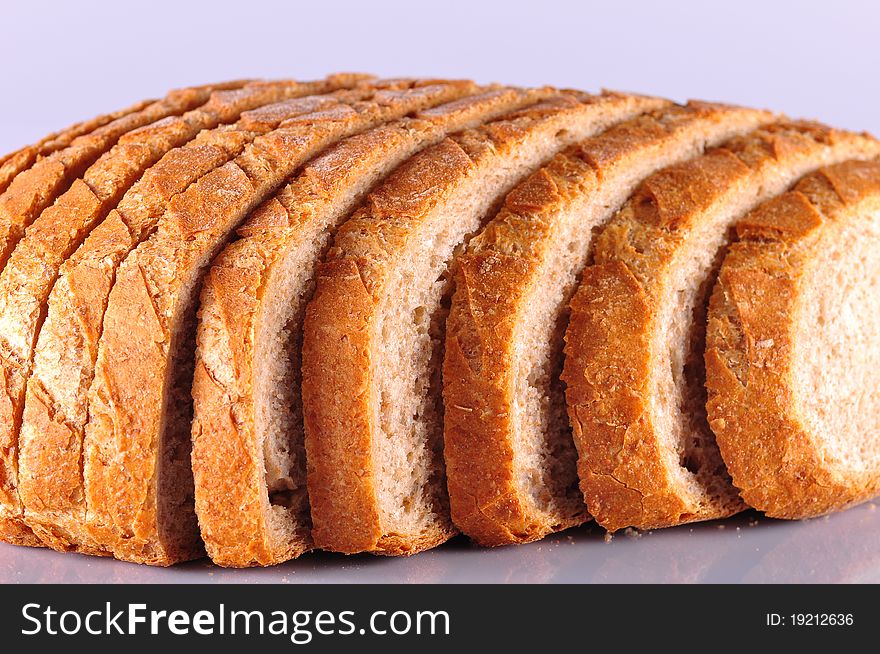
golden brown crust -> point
(338, 332)
(630, 482)
(142, 384)
(494, 285)
(229, 449)
(58, 409)
(51, 435)
(771, 453)
(345, 513)
(337, 349)
(15, 162)
(484, 500)
(407, 545)
(27, 196)
(608, 353)
(36, 188)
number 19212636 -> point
(810, 620)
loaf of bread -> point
(261, 317)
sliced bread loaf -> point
(50, 439)
(22, 159)
(248, 452)
(634, 345)
(137, 470)
(510, 458)
(792, 356)
(373, 332)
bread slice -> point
(50, 456)
(372, 336)
(137, 470)
(510, 459)
(792, 356)
(248, 451)
(634, 352)
(22, 159)
(37, 187)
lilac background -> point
(64, 61)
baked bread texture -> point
(28, 194)
(372, 344)
(635, 341)
(55, 403)
(22, 159)
(35, 188)
(248, 449)
(510, 458)
(137, 471)
(792, 360)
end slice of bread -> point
(634, 352)
(374, 330)
(29, 193)
(137, 470)
(510, 458)
(63, 356)
(793, 346)
(248, 449)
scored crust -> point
(140, 397)
(502, 397)
(29, 193)
(366, 270)
(634, 345)
(50, 476)
(273, 263)
(777, 459)
(36, 188)
(22, 159)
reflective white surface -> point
(842, 548)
